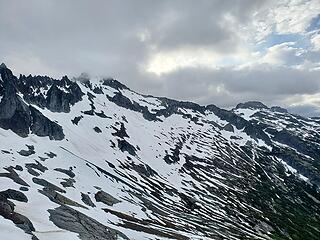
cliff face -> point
(130, 166)
(19, 116)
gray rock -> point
(47, 184)
(15, 195)
(97, 129)
(68, 182)
(5, 209)
(42, 126)
(19, 117)
(279, 109)
(121, 133)
(65, 171)
(14, 176)
(51, 154)
(76, 120)
(114, 84)
(28, 152)
(37, 166)
(252, 105)
(22, 222)
(106, 198)
(3, 65)
(125, 146)
(228, 127)
(87, 200)
(59, 198)
(25, 189)
(58, 100)
(88, 229)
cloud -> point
(284, 54)
(284, 17)
(212, 51)
(315, 40)
(227, 86)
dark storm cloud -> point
(74, 37)
(101, 36)
(117, 38)
(201, 24)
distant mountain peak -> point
(279, 109)
(114, 84)
(3, 65)
(252, 105)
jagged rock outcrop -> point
(42, 126)
(87, 228)
(278, 109)
(45, 92)
(114, 84)
(20, 117)
(252, 105)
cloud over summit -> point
(211, 51)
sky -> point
(218, 52)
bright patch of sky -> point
(299, 40)
(314, 24)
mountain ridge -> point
(96, 160)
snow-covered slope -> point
(96, 160)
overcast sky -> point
(218, 52)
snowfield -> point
(139, 167)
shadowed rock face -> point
(59, 100)
(69, 219)
(45, 92)
(14, 113)
(7, 210)
(279, 109)
(252, 104)
(106, 198)
(18, 116)
(42, 126)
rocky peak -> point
(17, 115)
(252, 105)
(65, 81)
(114, 84)
(45, 92)
(5, 73)
(279, 109)
(3, 66)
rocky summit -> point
(95, 160)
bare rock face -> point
(106, 198)
(14, 113)
(42, 126)
(45, 92)
(252, 105)
(18, 116)
(62, 95)
(7, 210)
(69, 219)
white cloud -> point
(295, 16)
(283, 54)
(169, 61)
(283, 17)
(315, 40)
